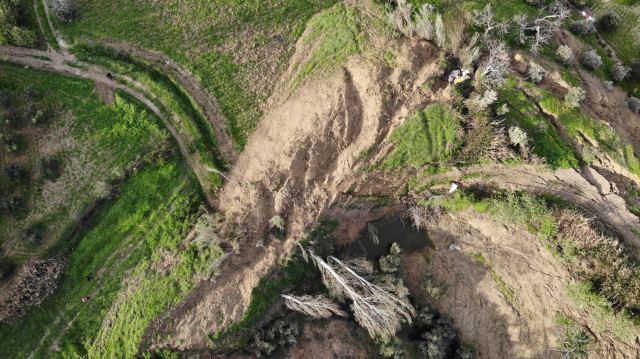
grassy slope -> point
(155, 209)
(545, 138)
(91, 140)
(214, 39)
(626, 39)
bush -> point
(50, 168)
(281, 333)
(11, 118)
(391, 347)
(564, 54)
(580, 3)
(6, 99)
(30, 92)
(32, 234)
(634, 104)
(23, 37)
(16, 174)
(635, 69)
(6, 269)
(13, 204)
(582, 27)
(609, 22)
(533, 2)
(12, 141)
(437, 342)
(591, 59)
(434, 287)
(389, 263)
(619, 72)
(574, 96)
(607, 85)
(536, 73)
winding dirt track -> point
(59, 62)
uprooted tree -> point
(377, 308)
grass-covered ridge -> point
(225, 44)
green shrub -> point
(634, 104)
(16, 174)
(32, 234)
(390, 263)
(279, 334)
(13, 204)
(580, 3)
(574, 343)
(526, 209)
(23, 37)
(12, 141)
(432, 286)
(600, 310)
(582, 27)
(50, 167)
(431, 137)
(635, 69)
(609, 22)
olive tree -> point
(582, 27)
(620, 72)
(539, 31)
(564, 54)
(591, 59)
(495, 70)
(609, 22)
(634, 104)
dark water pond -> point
(390, 230)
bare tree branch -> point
(317, 307)
(496, 69)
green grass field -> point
(95, 145)
(237, 48)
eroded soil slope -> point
(304, 159)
